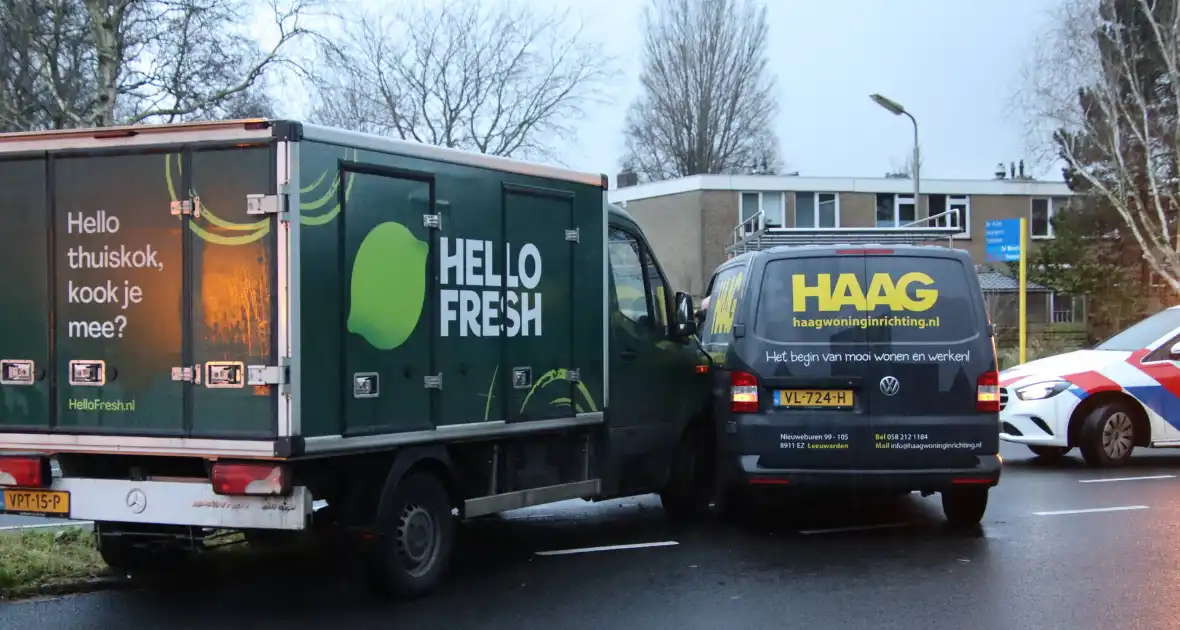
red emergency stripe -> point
(1162, 372)
(1093, 382)
(1008, 381)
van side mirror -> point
(686, 324)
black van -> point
(841, 367)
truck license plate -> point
(36, 502)
(826, 398)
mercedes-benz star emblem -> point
(136, 501)
(889, 385)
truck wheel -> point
(1049, 453)
(688, 493)
(1108, 436)
(964, 507)
(416, 535)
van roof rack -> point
(754, 234)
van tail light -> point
(987, 393)
(743, 388)
(253, 478)
(25, 471)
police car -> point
(1105, 400)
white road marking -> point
(854, 528)
(1092, 510)
(1126, 478)
(10, 528)
(566, 552)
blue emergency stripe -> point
(1158, 399)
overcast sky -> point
(953, 63)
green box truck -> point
(230, 325)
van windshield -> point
(1143, 333)
(835, 300)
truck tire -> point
(1108, 436)
(964, 507)
(689, 490)
(416, 537)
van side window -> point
(627, 271)
(657, 290)
(725, 292)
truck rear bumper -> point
(179, 503)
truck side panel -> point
(434, 295)
(24, 302)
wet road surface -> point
(1061, 546)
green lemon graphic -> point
(388, 286)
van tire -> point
(1050, 453)
(964, 507)
(415, 538)
(1107, 438)
(687, 494)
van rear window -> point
(882, 299)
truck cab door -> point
(646, 367)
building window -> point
(1066, 309)
(895, 210)
(1041, 212)
(770, 204)
(817, 210)
(940, 204)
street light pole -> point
(896, 109)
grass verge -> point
(35, 560)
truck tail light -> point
(743, 388)
(252, 478)
(987, 392)
(25, 471)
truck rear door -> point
(929, 346)
(146, 289)
(808, 353)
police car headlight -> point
(1041, 391)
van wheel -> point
(1108, 436)
(964, 507)
(416, 536)
(1050, 453)
(687, 495)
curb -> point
(77, 587)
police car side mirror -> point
(686, 325)
(1175, 350)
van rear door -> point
(929, 345)
(807, 356)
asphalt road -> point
(1044, 558)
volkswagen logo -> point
(889, 385)
(136, 501)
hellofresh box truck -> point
(215, 326)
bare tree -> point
(708, 102)
(1119, 132)
(68, 63)
(904, 169)
(499, 78)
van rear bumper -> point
(744, 471)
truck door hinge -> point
(574, 235)
(433, 382)
(264, 204)
(186, 207)
(573, 375)
(433, 221)
(267, 375)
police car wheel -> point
(1050, 452)
(1108, 436)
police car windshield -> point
(1144, 333)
